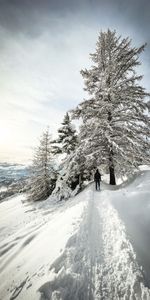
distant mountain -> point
(13, 179)
(12, 172)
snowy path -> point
(86, 249)
(99, 261)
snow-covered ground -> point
(94, 246)
(3, 189)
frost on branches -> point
(67, 138)
(75, 171)
(72, 170)
(43, 175)
(66, 144)
(116, 126)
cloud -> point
(44, 45)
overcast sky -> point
(43, 46)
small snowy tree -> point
(115, 122)
(43, 175)
(76, 170)
(65, 144)
(67, 137)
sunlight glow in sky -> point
(44, 45)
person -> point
(97, 179)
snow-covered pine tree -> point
(67, 137)
(115, 122)
(43, 175)
(78, 169)
(72, 175)
(66, 143)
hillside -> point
(94, 246)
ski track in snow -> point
(83, 251)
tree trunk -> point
(112, 175)
(111, 164)
(111, 169)
(80, 180)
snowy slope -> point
(94, 246)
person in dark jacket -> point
(97, 179)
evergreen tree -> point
(43, 175)
(78, 169)
(115, 122)
(67, 139)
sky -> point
(44, 45)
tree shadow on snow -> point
(71, 275)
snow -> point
(3, 189)
(93, 246)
